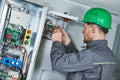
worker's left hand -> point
(57, 35)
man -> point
(96, 61)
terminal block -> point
(12, 62)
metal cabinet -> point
(21, 27)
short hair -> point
(105, 30)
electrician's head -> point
(97, 22)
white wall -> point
(111, 35)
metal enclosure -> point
(1, 7)
(21, 27)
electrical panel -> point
(56, 19)
(20, 29)
(22, 26)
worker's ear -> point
(94, 28)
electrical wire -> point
(28, 63)
(25, 55)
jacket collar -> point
(97, 43)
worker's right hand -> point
(65, 37)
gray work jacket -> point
(96, 62)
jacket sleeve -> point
(70, 48)
(69, 62)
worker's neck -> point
(99, 37)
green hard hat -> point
(98, 16)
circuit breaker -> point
(21, 27)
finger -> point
(57, 37)
(63, 31)
(57, 30)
